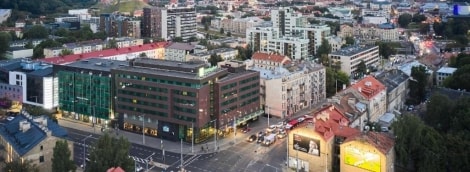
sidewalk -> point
(171, 146)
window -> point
(41, 158)
(41, 147)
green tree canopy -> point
(386, 49)
(335, 80)
(322, 52)
(418, 18)
(462, 59)
(65, 52)
(17, 166)
(459, 79)
(350, 40)
(362, 68)
(177, 39)
(418, 81)
(214, 59)
(5, 39)
(38, 51)
(404, 20)
(36, 32)
(61, 161)
(110, 152)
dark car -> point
(260, 140)
(252, 138)
(246, 130)
(261, 134)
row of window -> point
(229, 93)
(146, 95)
(145, 103)
(228, 86)
(184, 118)
(144, 87)
(255, 78)
(141, 110)
(249, 87)
(229, 101)
(249, 101)
(249, 94)
(185, 93)
(161, 81)
(186, 110)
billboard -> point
(362, 159)
(307, 145)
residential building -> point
(116, 25)
(22, 43)
(190, 98)
(396, 83)
(443, 73)
(169, 22)
(231, 42)
(353, 106)
(153, 50)
(4, 15)
(368, 151)
(224, 53)
(39, 86)
(177, 51)
(371, 33)
(10, 95)
(375, 95)
(86, 90)
(379, 5)
(237, 25)
(27, 138)
(92, 46)
(290, 35)
(406, 68)
(350, 58)
(82, 14)
(19, 52)
(288, 86)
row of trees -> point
(107, 152)
(441, 142)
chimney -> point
(24, 125)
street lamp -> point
(143, 128)
(150, 156)
(84, 150)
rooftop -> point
(392, 79)
(98, 64)
(214, 51)
(27, 66)
(352, 50)
(329, 122)
(181, 46)
(379, 140)
(386, 26)
(159, 63)
(24, 140)
(103, 53)
(271, 57)
(406, 68)
(369, 87)
(447, 70)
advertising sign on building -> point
(307, 145)
(363, 159)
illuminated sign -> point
(362, 159)
(307, 145)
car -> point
(300, 119)
(261, 134)
(260, 139)
(252, 138)
(246, 130)
(410, 108)
(281, 135)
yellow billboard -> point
(362, 159)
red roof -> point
(381, 141)
(117, 169)
(103, 53)
(271, 57)
(329, 121)
(369, 87)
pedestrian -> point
(202, 148)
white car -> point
(300, 119)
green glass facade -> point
(85, 94)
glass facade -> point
(85, 94)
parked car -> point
(261, 134)
(246, 130)
(281, 135)
(252, 138)
(260, 139)
(300, 119)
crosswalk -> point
(139, 160)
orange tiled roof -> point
(369, 87)
(329, 121)
(379, 140)
(271, 57)
(117, 169)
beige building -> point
(375, 95)
(237, 25)
(178, 51)
(288, 86)
(225, 53)
(27, 138)
(350, 57)
(381, 32)
(396, 83)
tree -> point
(4, 42)
(323, 50)
(61, 161)
(335, 80)
(36, 32)
(38, 51)
(350, 40)
(62, 32)
(459, 79)
(404, 20)
(214, 59)
(418, 82)
(386, 49)
(110, 152)
(221, 30)
(18, 166)
(112, 43)
(362, 68)
(437, 111)
(206, 27)
(142, 55)
(65, 52)
(229, 34)
(418, 18)
(192, 39)
(29, 45)
(462, 59)
(177, 39)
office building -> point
(86, 90)
(173, 100)
(170, 22)
(350, 58)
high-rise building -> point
(119, 26)
(173, 100)
(169, 22)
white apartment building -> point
(225, 53)
(178, 51)
(350, 57)
(443, 73)
(288, 86)
(289, 35)
(237, 25)
(384, 6)
(374, 19)
(91, 46)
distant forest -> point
(42, 7)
